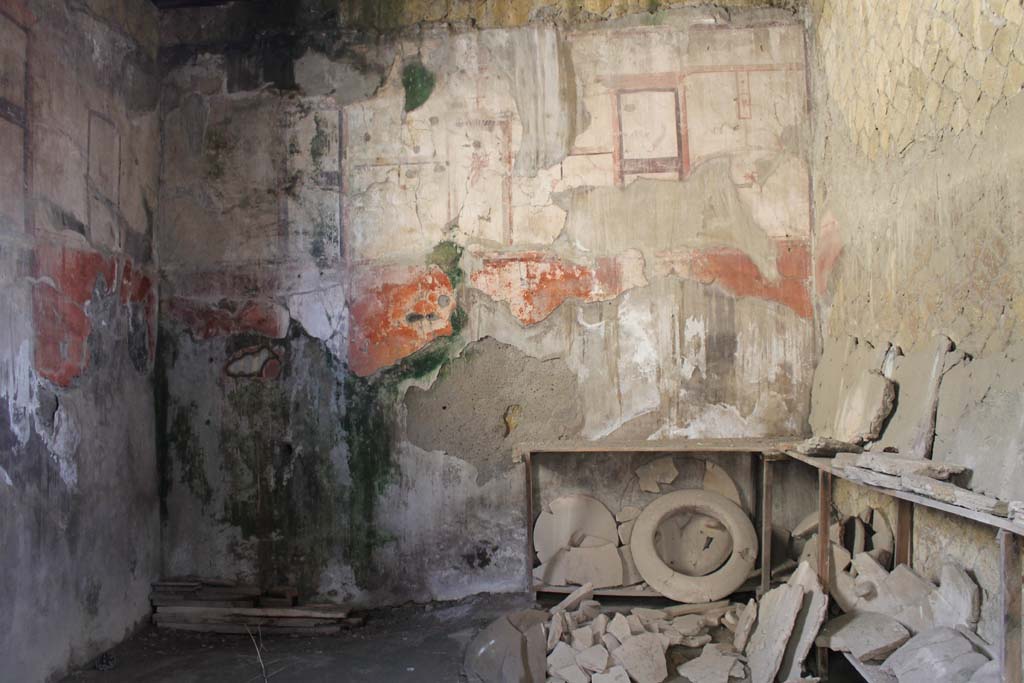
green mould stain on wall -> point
(418, 82)
(281, 458)
(188, 453)
(371, 408)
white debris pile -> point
(718, 642)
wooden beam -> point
(1009, 598)
(904, 533)
(824, 552)
(767, 483)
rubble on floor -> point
(221, 606)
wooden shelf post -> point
(767, 483)
(1009, 599)
(824, 552)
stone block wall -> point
(79, 525)
(386, 262)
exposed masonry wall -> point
(916, 163)
(79, 522)
(387, 261)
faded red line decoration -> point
(535, 284)
(65, 283)
(735, 272)
(827, 250)
(394, 311)
(206, 319)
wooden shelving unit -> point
(768, 450)
(1009, 535)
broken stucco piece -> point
(630, 574)
(892, 464)
(978, 421)
(643, 658)
(918, 375)
(717, 480)
(745, 625)
(512, 648)
(600, 566)
(864, 408)
(660, 471)
(957, 602)
(627, 514)
(939, 654)
(808, 622)
(616, 674)
(572, 519)
(868, 636)
(777, 613)
(950, 493)
(693, 544)
(395, 311)
(844, 361)
(712, 666)
(594, 658)
(571, 601)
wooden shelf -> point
(772, 444)
(768, 450)
(748, 586)
(825, 465)
(1009, 645)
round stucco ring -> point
(680, 587)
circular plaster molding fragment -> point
(681, 587)
(570, 522)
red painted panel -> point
(395, 311)
(65, 282)
(207, 319)
(737, 273)
(535, 284)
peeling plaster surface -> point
(582, 231)
(79, 510)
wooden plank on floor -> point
(282, 612)
(262, 630)
(291, 622)
(163, 601)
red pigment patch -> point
(65, 282)
(827, 248)
(395, 311)
(137, 288)
(223, 318)
(735, 272)
(535, 284)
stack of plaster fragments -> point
(933, 422)
(897, 625)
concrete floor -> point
(410, 643)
